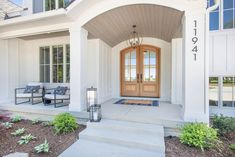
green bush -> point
(199, 135)
(223, 124)
(232, 147)
(64, 123)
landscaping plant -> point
(199, 135)
(18, 132)
(26, 139)
(46, 124)
(232, 147)
(223, 124)
(35, 121)
(64, 123)
(17, 118)
(7, 125)
(42, 148)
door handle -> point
(141, 78)
(137, 78)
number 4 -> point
(195, 49)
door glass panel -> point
(153, 74)
(213, 91)
(130, 66)
(228, 91)
(150, 61)
(127, 66)
(152, 58)
(133, 66)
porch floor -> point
(165, 114)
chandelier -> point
(135, 40)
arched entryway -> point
(140, 71)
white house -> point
(82, 43)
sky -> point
(19, 2)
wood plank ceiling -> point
(155, 21)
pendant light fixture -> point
(135, 40)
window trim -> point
(51, 62)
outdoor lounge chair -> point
(57, 95)
(31, 92)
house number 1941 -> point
(195, 40)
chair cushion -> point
(28, 95)
(60, 90)
(52, 96)
(30, 89)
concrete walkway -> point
(112, 138)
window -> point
(214, 16)
(57, 57)
(67, 63)
(228, 14)
(223, 17)
(228, 85)
(64, 3)
(50, 5)
(45, 64)
(213, 91)
(222, 91)
(55, 64)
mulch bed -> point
(57, 143)
(175, 149)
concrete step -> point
(128, 138)
(85, 148)
(128, 126)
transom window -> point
(55, 64)
(224, 16)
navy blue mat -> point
(135, 102)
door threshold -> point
(140, 98)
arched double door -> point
(140, 71)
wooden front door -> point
(140, 71)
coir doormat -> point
(138, 102)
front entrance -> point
(140, 71)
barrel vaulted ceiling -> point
(155, 21)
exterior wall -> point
(176, 91)
(99, 68)
(4, 71)
(165, 90)
(222, 53)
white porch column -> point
(78, 46)
(195, 71)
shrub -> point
(199, 135)
(26, 139)
(64, 123)
(35, 121)
(223, 124)
(7, 125)
(17, 118)
(232, 147)
(42, 148)
(18, 132)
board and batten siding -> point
(4, 71)
(222, 53)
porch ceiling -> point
(155, 21)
